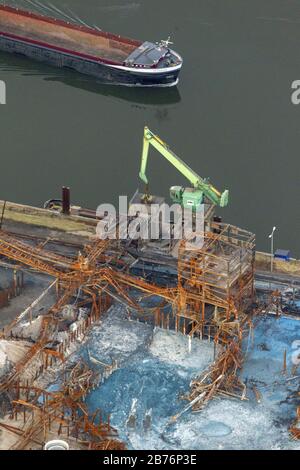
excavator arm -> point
(217, 198)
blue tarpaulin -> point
(282, 254)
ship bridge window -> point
(147, 54)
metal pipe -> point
(66, 200)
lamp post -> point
(271, 236)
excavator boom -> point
(198, 183)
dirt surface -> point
(263, 263)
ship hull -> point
(105, 72)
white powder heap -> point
(29, 330)
(11, 352)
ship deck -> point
(65, 36)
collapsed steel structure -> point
(62, 411)
(214, 298)
(295, 428)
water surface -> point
(230, 118)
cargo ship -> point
(106, 56)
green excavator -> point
(191, 198)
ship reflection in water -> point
(136, 95)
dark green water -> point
(231, 116)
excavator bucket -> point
(224, 198)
